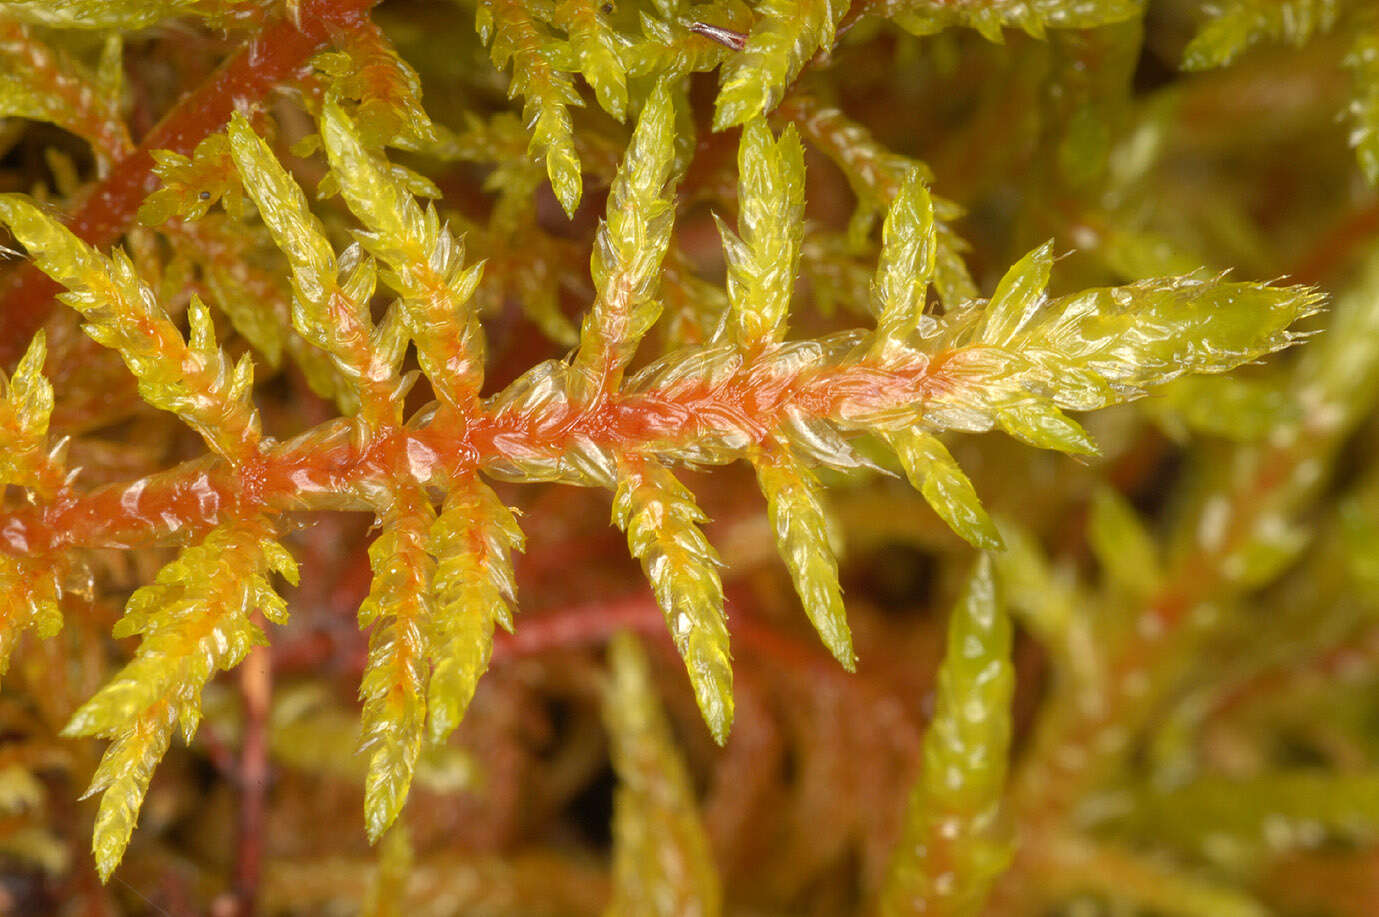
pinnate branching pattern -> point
(318, 245)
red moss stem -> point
(256, 689)
(326, 469)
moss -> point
(325, 301)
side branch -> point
(266, 60)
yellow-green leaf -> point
(933, 472)
(401, 608)
(786, 35)
(952, 848)
(628, 250)
(472, 540)
(662, 524)
(794, 503)
(763, 260)
(662, 863)
(1235, 25)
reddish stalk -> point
(1337, 246)
(256, 690)
(592, 624)
(319, 469)
(266, 60)
(1329, 665)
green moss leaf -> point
(952, 849)
(194, 620)
(330, 307)
(794, 503)
(662, 524)
(927, 17)
(548, 92)
(192, 185)
(662, 864)
(400, 605)
(786, 35)
(110, 14)
(764, 259)
(628, 250)
(425, 262)
(1238, 24)
(909, 246)
(26, 405)
(933, 472)
(472, 540)
(876, 176)
(192, 379)
(599, 49)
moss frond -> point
(952, 848)
(763, 255)
(330, 306)
(661, 520)
(794, 503)
(1236, 25)
(472, 540)
(401, 609)
(383, 90)
(628, 250)
(425, 263)
(932, 470)
(391, 249)
(662, 863)
(515, 36)
(26, 405)
(876, 176)
(192, 185)
(195, 620)
(600, 50)
(193, 379)
(786, 35)
(1034, 17)
(909, 252)
(112, 14)
(31, 589)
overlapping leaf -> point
(794, 503)
(426, 263)
(516, 37)
(763, 255)
(628, 250)
(786, 35)
(330, 298)
(400, 607)
(1032, 16)
(110, 14)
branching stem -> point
(265, 60)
